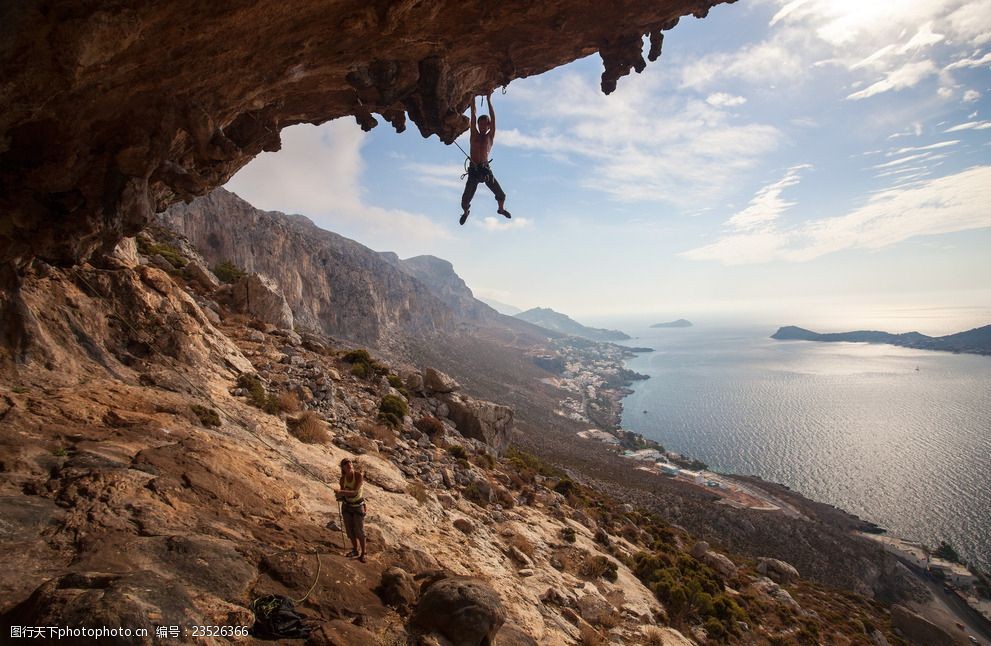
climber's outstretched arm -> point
(474, 127)
(488, 99)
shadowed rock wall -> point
(110, 112)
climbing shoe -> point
(464, 218)
(504, 212)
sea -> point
(899, 437)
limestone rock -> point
(778, 571)
(916, 628)
(481, 420)
(195, 271)
(462, 609)
(101, 130)
(699, 549)
(435, 381)
(396, 589)
(775, 592)
(261, 297)
(464, 525)
(720, 563)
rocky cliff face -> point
(439, 276)
(110, 113)
(332, 284)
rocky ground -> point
(145, 481)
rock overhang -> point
(112, 112)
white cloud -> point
(724, 99)
(970, 125)
(968, 62)
(904, 77)
(757, 63)
(318, 174)
(767, 205)
(490, 223)
(971, 95)
(947, 204)
(912, 149)
(640, 144)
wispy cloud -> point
(904, 77)
(767, 205)
(490, 223)
(636, 146)
(723, 99)
(912, 149)
(970, 125)
(947, 204)
(965, 63)
(437, 175)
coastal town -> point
(595, 379)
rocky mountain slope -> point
(557, 322)
(333, 284)
(165, 461)
(110, 114)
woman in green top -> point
(351, 497)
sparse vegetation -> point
(256, 394)
(392, 410)
(394, 381)
(430, 425)
(485, 460)
(381, 432)
(599, 566)
(60, 451)
(228, 272)
(170, 253)
(207, 416)
(309, 428)
(946, 552)
(360, 370)
(418, 491)
(289, 402)
(458, 452)
(568, 534)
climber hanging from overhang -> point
(478, 171)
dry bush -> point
(418, 491)
(653, 636)
(379, 432)
(589, 636)
(596, 566)
(309, 428)
(289, 402)
(520, 542)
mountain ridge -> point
(973, 341)
(547, 318)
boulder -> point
(196, 272)
(775, 592)
(777, 571)
(917, 629)
(397, 590)
(720, 563)
(464, 525)
(437, 382)
(481, 420)
(465, 610)
(700, 549)
(261, 297)
(413, 382)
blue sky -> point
(818, 162)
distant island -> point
(976, 341)
(678, 323)
(557, 322)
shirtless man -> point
(482, 136)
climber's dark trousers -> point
(481, 173)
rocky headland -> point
(975, 341)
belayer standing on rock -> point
(351, 497)
(482, 137)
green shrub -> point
(170, 253)
(600, 567)
(429, 425)
(392, 410)
(360, 370)
(359, 355)
(457, 451)
(394, 381)
(485, 460)
(568, 534)
(228, 272)
(255, 390)
(207, 416)
(565, 486)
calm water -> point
(854, 425)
